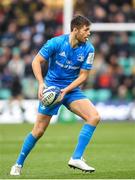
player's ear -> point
(75, 30)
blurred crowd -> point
(115, 51)
(26, 24)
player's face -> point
(83, 33)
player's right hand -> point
(41, 87)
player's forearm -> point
(36, 66)
(81, 79)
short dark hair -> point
(79, 21)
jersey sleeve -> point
(48, 49)
(88, 62)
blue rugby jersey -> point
(64, 61)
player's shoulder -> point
(60, 39)
(89, 46)
(57, 41)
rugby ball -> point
(51, 96)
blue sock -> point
(28, 144)
(84, 138)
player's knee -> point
(38, 132)
(96, 118)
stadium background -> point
(24, 26)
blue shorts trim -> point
(74, 95)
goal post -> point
(67, 15)
(98, 27)
(112, 27)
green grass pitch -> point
(111, 151)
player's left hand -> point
(63, 93)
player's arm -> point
(84, 72)
(77, 82)
(36, 66)
(43, 55)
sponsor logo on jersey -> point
(67, 66)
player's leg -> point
(39, 128)
(85, 109)
(42, 122)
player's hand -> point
(42, 86)
(63, 93)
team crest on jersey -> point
(80, 57)
(90, 58)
